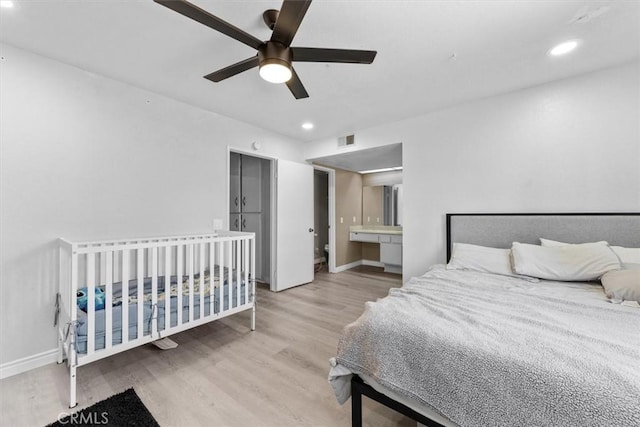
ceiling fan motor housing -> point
(270, 17)
(274, 53)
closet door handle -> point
(244, 200)
(236, 201)
(244, 223)
(236, 222)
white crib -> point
(170, 283)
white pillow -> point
(548, 242)
(481, 258)
(581, 262)
(628, 256)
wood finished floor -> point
(222, 374)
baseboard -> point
(372, 263)
(358, 263)
(28, 363)
(345, 267)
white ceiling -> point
(499, 46)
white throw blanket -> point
(488, 350)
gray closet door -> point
(234, 184)
(234, 222)
(251, 176)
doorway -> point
(320, 220)
(324, 216)
(368, 207)
(282, 219)
(250, 205)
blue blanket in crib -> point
(148, 311)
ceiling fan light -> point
(275, 71)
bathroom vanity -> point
(388, 237)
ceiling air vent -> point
(345, 141)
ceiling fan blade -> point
(295, 86)
(232, 70)
(289, 19)
(312, 54)
(202, 16)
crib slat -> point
(190, 266)
(103, 270)
(238, 244)
(252, 286)
(154, 292)
(202, 251)
(73, 292)
(91, 303)
(179, 274)
(212, 275)
(221, 275)
(230, 275)
(140, 276)
(108, 302)
(167, 287)
(125, 296)
(245, 269)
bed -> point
(470, 348)
(119, 294)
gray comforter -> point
(488, 350)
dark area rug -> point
(123, 409)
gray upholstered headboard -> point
(499, 230)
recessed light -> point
(7, 4)
(563, 48)
(307, 126)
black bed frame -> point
(359, 388)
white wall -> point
(86, 157)
(570, 145)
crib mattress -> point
(148, 311)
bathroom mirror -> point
(382, 205)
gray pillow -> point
(622, 285)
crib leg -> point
(60, 350)
(72, 387)
(253, 317)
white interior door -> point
(294, 230)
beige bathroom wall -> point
(348, 213)
(372, 214)
(372, 205)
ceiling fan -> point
(275, 56)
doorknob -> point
(311, 230)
